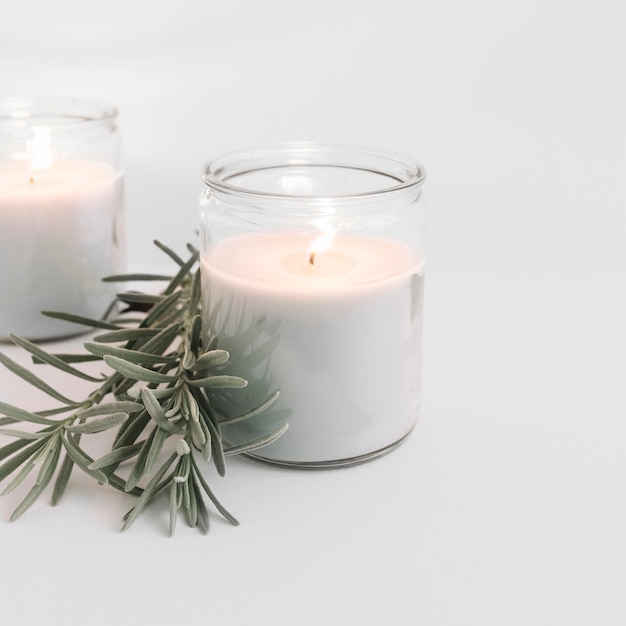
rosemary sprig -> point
(154, 405)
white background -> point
(507, 504)
(516, 109)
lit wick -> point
(322, 243)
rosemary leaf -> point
(260, 354)
(139, 468)
(116, 456)
(57, 411)
(173, 507)
(252, 412)
(197, 434)
(202, 513)
(130, 431)
(35, 381)
(63, 477)
(120, 406)
(175, 406)
(77, 319)
(82, 460)
(162, 394)
(189, 359)
(137, 297)
(50, 461)
(191, 404)
(157, 414)
(11, 448)
(257, 443)
(221, 382)
(11, 464)
(136, 372)
(169, 252)
(246, 337)
(27, 468)
(218, 505)
(192, 509)
(39, 486)
(186, 496)
(155, 449)
(213, 358)
(182, 470)
(22, 434)
(206, 448)
(195, 328)
(120, 484)
(219, 459)
(98, 424)
(126, 334)
(23, 416)
(161, 309)
(162, 340)
(69, 358)
(45, 357)
(179, 495)
(212, 344)
(126, 278)
(195, 292)
(132, 356)
(147, 493)
(182, 274)
(170, 316)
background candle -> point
(336, 331)
(61, 213)
(59, 235)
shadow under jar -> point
(61, 213)
(312, 280)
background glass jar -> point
(61, 212)
(312, 266)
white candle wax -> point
(339, 337)
(60, 231)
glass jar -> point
(312, 280)
(61, 213)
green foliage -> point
(154, 405)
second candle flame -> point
(40, 148)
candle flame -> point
(322, 243)
(41, 151)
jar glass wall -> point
(61, 212)
(312, 264)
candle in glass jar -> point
(60, 231)
(337, 332)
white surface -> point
(506, 506)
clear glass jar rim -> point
(409, 173)
(17, 112)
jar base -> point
(332, 464)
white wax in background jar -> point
(61, 232)
(339, 335)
